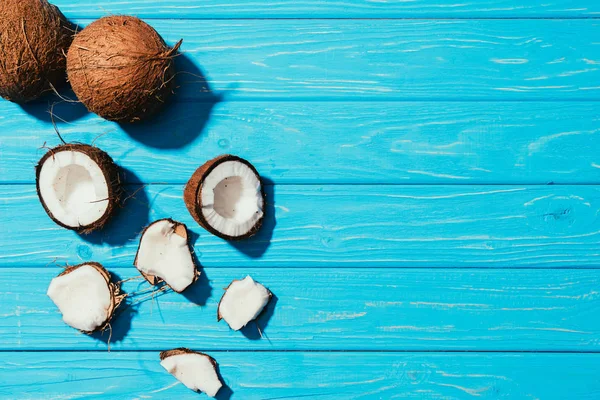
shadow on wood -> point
(121, 322)
(225, 393)
(181, 121)
(130, 220)
(256, 329)
(200, 291)
(65, 109)
(258, 244)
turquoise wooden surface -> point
(432, 170)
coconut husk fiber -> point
(121, 69)
(34, 38)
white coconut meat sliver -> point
(83, 297)
(232, 201)
(164, 252)
(242, 302)
(196, 371)
(73, 188)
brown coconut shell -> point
(183, 350)
(181, 230)
(219, 317)
(192, 195)
(121, 69)
(34, 38)
(111, 174)
(117, 296)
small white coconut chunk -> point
(73, 188)
(232, 201)
(164, 252)
(196, 371)
(83, 297)
(242, 302)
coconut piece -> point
(242, 302)
(165, 255)
(197, 371)
(79, 186)
(225, 196)
(121, 69)
(34, 36)
(85, 296)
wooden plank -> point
(387, 59)
(329, 309)
(270, 376)
(340, 226)
(332, 142)
(330, 9)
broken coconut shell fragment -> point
(34, 36)
(226, 197)
(197, 371)
(121, 69)
(242, 302)
(164, 254)
(79, 186)
(86, 296)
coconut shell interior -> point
(111, 174)
(181, 230)
(183, 350)
(121, 69)
(117, 296)
(192, 195)
(34, 36)
(219, 317)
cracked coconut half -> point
(78, 186)
(197, 371)
(85, 296)
(225, 196)
(165, 255)
(243, 302)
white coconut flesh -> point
(232, 201)
(242, 302)
(196, 371)
(164, 253)
(73, 188)
(83, 297)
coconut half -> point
(243, 302)
(165, 255)
(197, 371)
(85, 296)
(225, 196)
(79, 186)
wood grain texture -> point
(340, 226)
(332, 9)
(329, 309)
(270, 376)
(387, 59)
(331, 142)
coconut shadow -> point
(184, 116)
(130, 220)
(225, 393)
(256, 329)
(258, 244)
(121, 322)
(200, 291)
(51, 106)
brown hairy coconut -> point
(79, 186)
(225, 196)
(86, 296)
(121, 69)
(34, 37)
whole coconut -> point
(121, 69)
(34, 38)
